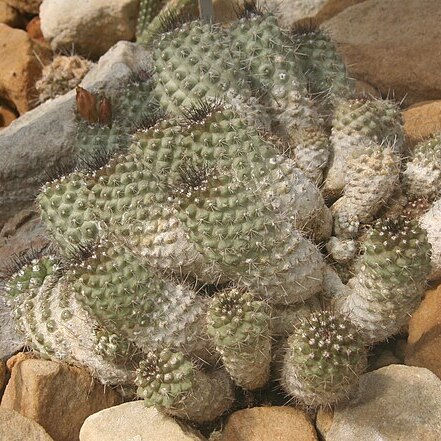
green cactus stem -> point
(390, 280)
(323, 361)
(172, 383)
(239, 327)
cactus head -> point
(163, 379)
(324, 359)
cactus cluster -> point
(193, 249)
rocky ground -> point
(392, 48)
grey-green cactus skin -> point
(324, 358)
(240, 328)
(198, 194)
(391, 280)
(170, 381)
(422, 175)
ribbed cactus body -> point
(328, 80)
(311, 150)
(56, 325)
(233, 226)
(356, 126)
(324, 358)
(422, 176)
(371, 178)
(268, 55)
(65, 209)
(390, 281)
(128, 298)
(240, 328)
(195, 63)
(172, 383)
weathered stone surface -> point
(424, 342)
(2, 375)
(92, 32)
(289, 12)
(57, 396)
(16, 427)
(10, 16)
(323, 421)
(42, 139)
(393, 403)
(394, 45)
(20, 67)
(134, 422)
(422, 120)
(29, 6)
(269, 424)
(6, 116)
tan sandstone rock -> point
(422, 120)
(28, 6)
(135, 422)
(269, 424)
(20, 67)
(424, 341)
(6, 116)
(16, 427)
(10, 16)
(394, 45)
(57, 396)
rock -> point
(15, 427)
(421, 121)
(396, 402)
(42, 139)
(18, 358)
(92, 32)
(269, 424)
(135, 422)
(323, 421)
(6, 116)
(394, 45)
(384, 358)
(57, 396)
(289, 12)
(28, 6)
(20, 67)
(424, 341)
(2, 375)
(10, 16)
